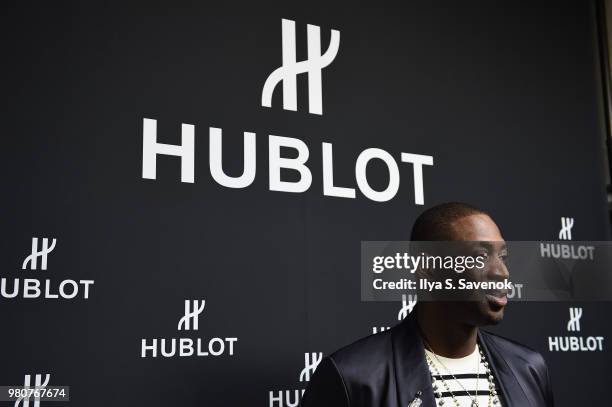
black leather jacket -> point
(389, 370)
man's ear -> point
(422, 272)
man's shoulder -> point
(352, 375)
(510, 347)
(372, 350)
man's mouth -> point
(498, 298)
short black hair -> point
(434, 223)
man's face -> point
(483, 238)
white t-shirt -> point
(470, 371)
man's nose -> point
(498, 271)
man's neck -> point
(443, 334)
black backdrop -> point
(504, 96)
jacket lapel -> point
(512, 393)
(411, 370)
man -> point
(438, 355)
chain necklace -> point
(493, 397)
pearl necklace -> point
(433, 370)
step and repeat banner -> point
(187, 185)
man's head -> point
(459, 222)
